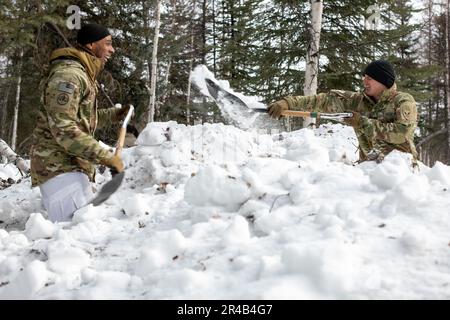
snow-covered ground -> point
(213, 212)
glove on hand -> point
(355, 120)
(277, 107)
(122, 112)
(115, 163)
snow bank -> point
(214, 212)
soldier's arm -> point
(405, 121)
(106, 117)
(334, 101)
(62, 98)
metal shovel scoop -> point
(111, 186)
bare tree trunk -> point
(447, 64)
(312, 55)
(169, 64)
(11, 156)
(203, 31)
(188, 95)
(214, 36)
(3, 131)
(151, 106)
(16, 106)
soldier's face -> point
(372, 87)
(103, 48)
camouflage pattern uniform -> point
(385, 125)
(63, 140)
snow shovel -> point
(111, 186)
(218, 92)
(303, 114)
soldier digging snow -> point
(384, 119)
(64, 151)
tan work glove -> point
(115, 163)
(355, 120)
(277, 107)
(122, 112)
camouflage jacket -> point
(385, 125)
(63, 140)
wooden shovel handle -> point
(121, 141)
(303, 114)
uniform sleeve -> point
(334, 101)
(395, 132)
(106, 117)
(62, 98)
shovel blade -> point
(108, 189)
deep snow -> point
(214, 212)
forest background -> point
(259, 46)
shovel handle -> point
(303, 114)
(121, 141)
(123, 132)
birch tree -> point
(17, 102)
(312, 55)
(153, 74)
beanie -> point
(381, 71)
(91, 32)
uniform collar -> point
(90, 62)
(388, 94)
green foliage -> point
(258, 45)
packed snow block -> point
(27, 283)
(416, 241)
(237, 232)
(37, 227)
(306, 149)
(153, 134)
(186, 281)
(439, 172)
(406, 197)
(9, 265)
(9, 171)
(331, 267)
(213, 186)
(160, 250)
(107, 285)
(15, 240)
(3, 234)
(308, 154)
(65, 259)
(303, 192)
(265, 175)
(394, 169)
(174, 154)
(136, 205)
(8, 211)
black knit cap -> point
(91, 32)
(382, 71)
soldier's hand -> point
(122, 112)
(355, 120)
(277, 107)
(114, 162)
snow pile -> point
(9, 171)
(214, 212)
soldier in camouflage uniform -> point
(384, 119)
(64, 151)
